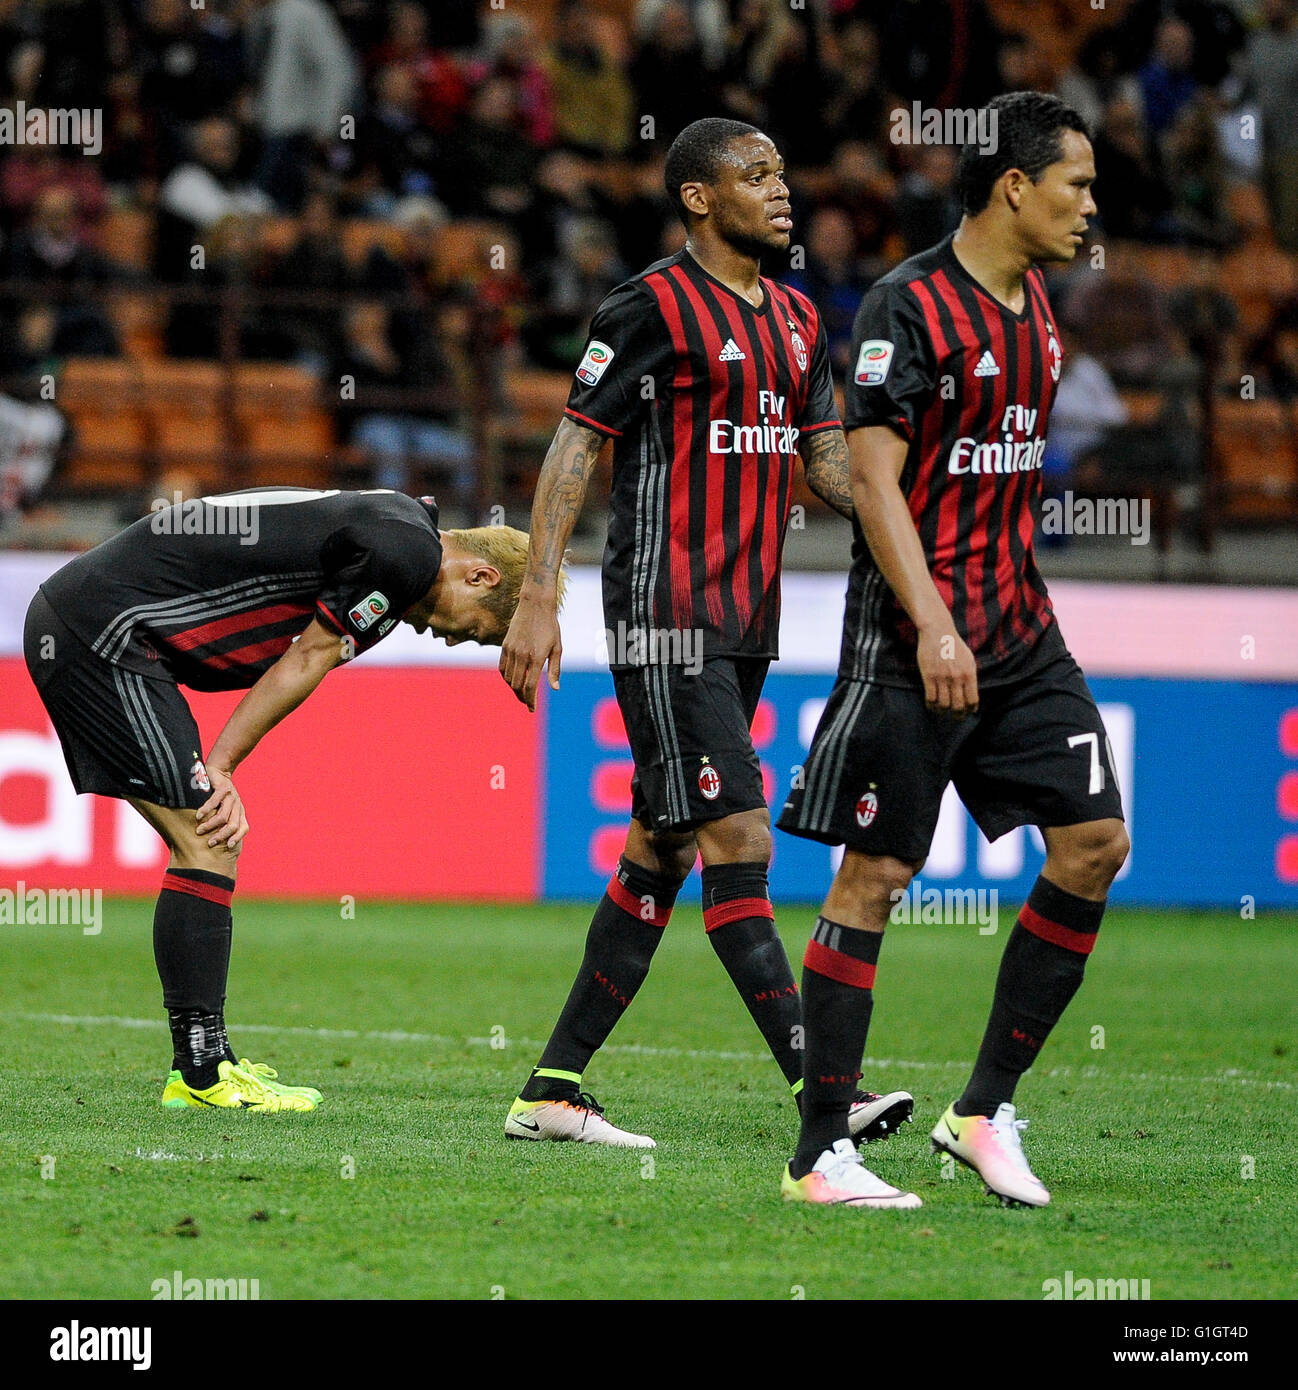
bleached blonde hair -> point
(505, 547)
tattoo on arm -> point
(560, 492)
(826, 467)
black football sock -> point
(837, 1001)
(191, 946)
(1040, 972)
(740, 924)
(624, 934)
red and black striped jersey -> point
(969, 383)
(210, 592)
(706, 399)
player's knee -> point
(1097, 852)
(875, 882)
(744, 838)
(673, 855)
(1112, 854)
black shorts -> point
(689, 735)
(123, 734)
(1036, 753)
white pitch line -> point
(378, 1035)
(1231, 1075)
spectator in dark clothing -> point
(186, 63)
(314, 262)
(857, 105)
(563, 196)
(490, 164)
(1196, 174)
(1166, 81)
(1136, 199)
(864, 190)
(927, 206)
(422, 428)
(231, 261)
(631, 197)
(939, 52)
(1207, 319)
(571, 289)
(396, 155)
(671, 82)
(833, 279)
(511, 52)
(1276, 353)
(199, 193)
(50, 253)
(441, 85)
(795, 98)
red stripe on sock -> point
(735, 911)
(172, 884)
(1083, 942)
(834, 965)
(628, 902)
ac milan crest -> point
(709, 781)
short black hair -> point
(696, 155)
(1028, 130)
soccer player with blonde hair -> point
(266, 591)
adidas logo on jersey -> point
(987, 365)
(732, 352)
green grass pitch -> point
(1169, 1149)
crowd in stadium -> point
(261, 130)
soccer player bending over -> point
(179, 598)
(952, 666)
(710, 380)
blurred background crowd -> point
(361, 241)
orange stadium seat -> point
(109, 449)
(285, 431)
(98, 381)
(183, 401)
(101, 397)
(1257, 461)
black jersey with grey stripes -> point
(210, 592)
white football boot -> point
(840, 1179)
(874, 1117)
(993, 1148)
(580, 1119)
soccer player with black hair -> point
(710, 379)
(952, 667)
(266, 591)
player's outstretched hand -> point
(221, 816)
(532, 643)
(949, 672)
